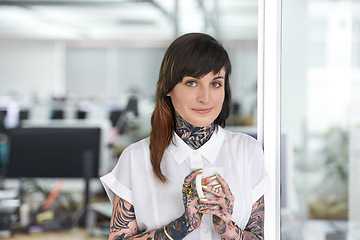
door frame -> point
(268, 112)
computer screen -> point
(53, 152)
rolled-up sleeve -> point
(118, 181)
(259, 177)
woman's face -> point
(199, 100)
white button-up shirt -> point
(156, 204)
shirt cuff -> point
(113, 187)
(260, 189)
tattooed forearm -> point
(142, 236)
(160, 235)
(123, 224)
(179, 228)
(121, 237)
(255, 227)
(122, 217)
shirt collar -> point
(181, 151)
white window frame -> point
(269, 65)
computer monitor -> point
(57, 114)
(50, 152)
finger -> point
(203, 206)
(215, 190)
(208, 180)
(189, 178)
(213, 201)
(224, 185)
(222, 215)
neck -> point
(193, 136)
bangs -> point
(200, 58)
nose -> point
(204, 94)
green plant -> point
(336, 152)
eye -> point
(191, 83)
(216, 84)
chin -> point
(202, 123)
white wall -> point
(28, 67)
(37, 67)
(112, 72)
(105, 71)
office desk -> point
(73, 234)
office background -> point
(81, 56)
(73, 68)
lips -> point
(202, 110)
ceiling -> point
(126, 19)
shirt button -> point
(206, 230)
(195, 152)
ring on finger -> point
(189, 191)
(186, 185)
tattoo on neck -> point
(193, 136)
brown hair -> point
(192, 54)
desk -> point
(73, 234)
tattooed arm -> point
(254, 230)
(255, 226)
(123, 224)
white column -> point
(354, 182)
(269, 107)
(59, 73)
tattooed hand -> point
(191, 201)
(221, 217)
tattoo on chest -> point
(193, 136)
(122, 217)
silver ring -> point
(186, 185)
(197, 207)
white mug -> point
(207, 172)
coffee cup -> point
(207, 172)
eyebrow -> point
(215, 78)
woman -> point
(151, 187)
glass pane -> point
(86, 59)
(93, 51)
(320, 120)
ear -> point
(169, 95)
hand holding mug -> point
(217, 193)
(208, 176)
(191, 200)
